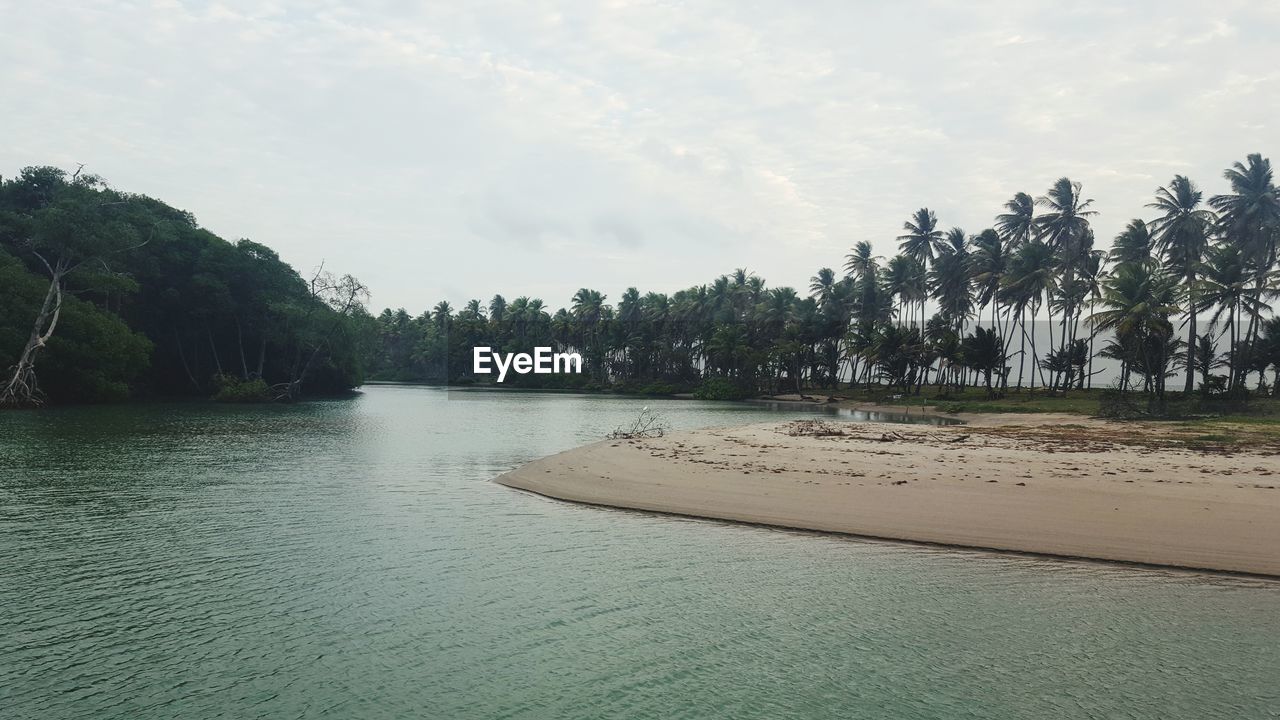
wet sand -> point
(1054, 485)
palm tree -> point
(949, 280)
(867, 318)
(1068, 216)
(517, 312)
(821, 285)
(900, 281)
(984, 352)
(1018, 226)
(497, 310)
(779, 307)
(1065, 229)
(627, 333)
(727, 350)
(588, 309)
(989, 262)
(1138, 300)
(1249, 217)
(921, 241)
(1226, 286)
(860, 262)
(1250, 213)
(1031, 277)
(537, 320)
(1092, 276)
(563, 328)
(1182, 235)
(1133, 245)
(441, 313)
(1269, 352)
(1206, 359)
(588, 305)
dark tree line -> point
(1185, 290)
(106, 294)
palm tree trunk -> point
(1022, 347)
(1251, 337)
(1051, 346)
(1231, 356)
(1092, 334)
(1191, 335)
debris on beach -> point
(815, 428)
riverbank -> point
(1053, 485)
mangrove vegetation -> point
(106, 295)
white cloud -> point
(457, 150)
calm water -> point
(351, 559)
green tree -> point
(1182, 235)
(1138, 301)
(921, 241)
(1250, 219)
(72, 226)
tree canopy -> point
(111, 294)
(870, 324)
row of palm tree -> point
(1192, 259)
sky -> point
(454, 150)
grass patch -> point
(975, 400)
(1262, 412)
(1214, 437)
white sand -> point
(1072, 487)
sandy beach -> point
(1055, 485)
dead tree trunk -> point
(20, 388)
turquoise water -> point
(351, 559)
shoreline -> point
(1032, 554)
(1038, 485)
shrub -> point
(659, 387)
(721, 389)
(1118, 405)
(232, 389)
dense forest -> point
(106, 295)
(1182, 292)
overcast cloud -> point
(457, 150)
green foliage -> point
(131, 265)
(231, 389)
(22, 293)
(870, 328)
(1119, 405)
(156, 305)
(658, 388)
(1084, 402)
(94, 357)
(720, 389)
(984, 352)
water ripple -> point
(351, 559)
